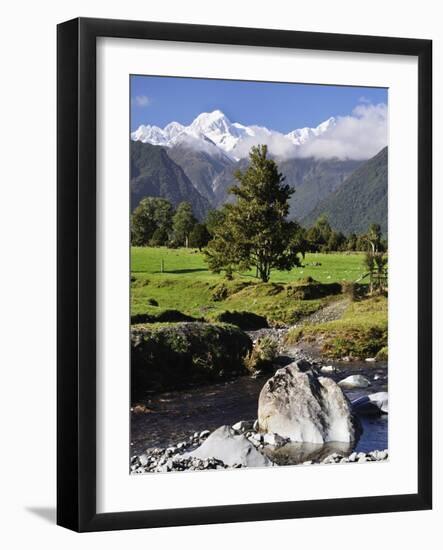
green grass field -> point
(335, 267)
(188, 286)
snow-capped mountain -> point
(215, 134)
(301, 136)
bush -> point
(181, 355)
(354, 291)
(242, 319)
(263, 354)
(382, 354)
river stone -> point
(373, 404)
(328, 368)
(305, 407)
(243, 426)
(354, 381)
(224, 444)
(274, 440)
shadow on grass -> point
(178, 271)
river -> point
(176, 415)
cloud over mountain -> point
(357, 136)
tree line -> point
(155, 222)
(253, 231)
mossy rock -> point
(175, 356)
(382, 354)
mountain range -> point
(216, 135)
(362, 199)
(196, 163)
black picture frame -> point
(76, 265)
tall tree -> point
(254, 231)
(199, 236)
(213, 219)
(151, 214)
(182, 223)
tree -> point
(254, 231)
(336, 241)
(152, 213)
(213, 219)
(324, 228)
(351, 243)
(299, 239)
(314, 238)
(376, 263)
(182, 223)
(374, 237)
(318, 235)
(160, 237)
(199, 236)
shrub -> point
(382, 354)
(263, 354)
(353, 290)
(243, 319)
(176, 356)
(163, 316)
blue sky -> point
(283, 107)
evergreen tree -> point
(336, 241)
(151, 214)
(213, 219)
(351, 243)
(182, 223)
(254, 231)
(199, 236)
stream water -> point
(174, 416)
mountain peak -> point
(214, 133)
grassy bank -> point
(178, 355)
(187, 286)
(361, 332)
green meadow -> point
(186, 285)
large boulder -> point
(299, 405)
(224, 444)
(373, 404)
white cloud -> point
(278, 144)
(141, 101)
(358, 136)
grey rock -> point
(354, 381)
(225, 445)
(242, 426)
(303, 407)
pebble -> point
(173, 458)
